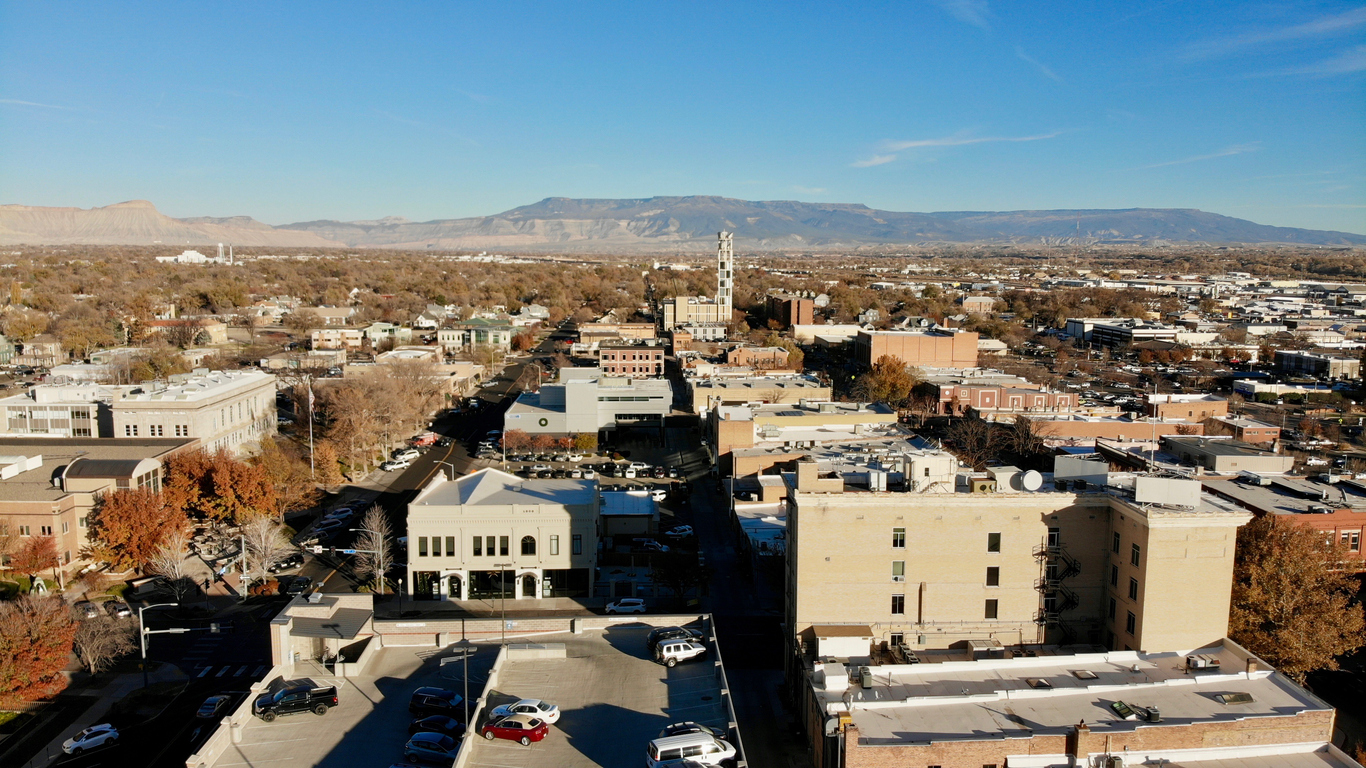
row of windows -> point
(493, 546)
(990, 610)
(156, 430)
(993, 539)
(1130, 620)
(1134, 551)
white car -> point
(405, 454)
(94, 736)
(627, 605)
(575, 457)
(659, 494)
(671, 652)
(533, 707)
(638, 465)
(680, 532)
(390, 466)
(589, 474)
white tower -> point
(725, 275)
(220, 253)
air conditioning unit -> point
(1115, 761)
(898, 578)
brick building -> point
(1188, 407)
(631, 360)
(919, 348)
(790, 310)
(759, 358)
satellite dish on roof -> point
(1031, 481)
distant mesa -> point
(657, 224)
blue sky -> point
(296, 111)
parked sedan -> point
(432, 748)
(532, 707)
(438, 724)
(390, 466)
(86, 609)
(90, 738)
(292, 561)
(627, 605)
(523, 729)
(118, 609)
(680, 532)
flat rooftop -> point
(1027, 696)
(494, 487)
(57, 452)
(613, 700)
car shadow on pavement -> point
(620, 744)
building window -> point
(46, 530)
(1112, 607)
(899, 538)
(503, 546)
(1054, 537)
(898, 605)
(1130, 622)
(156, 430)
(898, 570)
(993, 576)
(576, 544)
(421, 546)
(528, 545)
(1114, 575)
(66, 557)
(897, 638)
(1133, 555)
(130, 430)
(66, 527)
(991, 609)
(1114, 546)
(488, 546)
(1133, 589)
(450, 546)
(82, 522)
(478, 550)
(1352, 540)
(554, 545)
(993, 542)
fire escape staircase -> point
(1055, 566)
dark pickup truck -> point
(294, 700)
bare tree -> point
(377, 539)
(103, 640)
(266, 544)
(169, 561)
(974, 440)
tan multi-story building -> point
(225, 410)
(758, 358)
(919, 348)
(337, 338)
(48, 485)
(779, 428)
(491, 533)
(707, 393)
(931, 557)
(1188, 407)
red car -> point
(522, 728)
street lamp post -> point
(466, 648)
(447, 463)
(502, 568)
(400, 597)
(143, 632)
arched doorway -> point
(453, 587)
(529, 585)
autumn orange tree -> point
(216, 486)
(128, 526)
(1293, 605)
(36, 635)
(34, 556)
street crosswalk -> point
(231, 670)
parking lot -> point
(369, 726)
(613, 700)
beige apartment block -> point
(965, 561)
(919, 348)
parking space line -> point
(240, 672)
(206, 671)
(222, 671)
(256, 672)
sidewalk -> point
(115, 690)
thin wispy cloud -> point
(1048, 73)
(1237, 149)
(961, 139)
(1324, 26)
(872, 161)
(22, 103)
(974, 12)
(1344, 63)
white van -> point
(702, 748)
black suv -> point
(294, 700)
(436, 701)
(664, 634)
